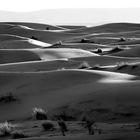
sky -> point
(80, 12)
(33, 5)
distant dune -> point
(41, 35)
(38, 26)
(109, 28)
(72, 26)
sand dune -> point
(89, 72)
(42, 35)
(65, 84)
(12, 56)
(72, 26)
(39, 66)
(106, 60)
(23, 44)
(38, 26)
(54, 54)
(66, 63)
(129, 68)
(9, 37)
(21, 55)
(109, 28)
(133, 52)
(85, 46)
(130, 42)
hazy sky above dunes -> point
(87, 12)
(31, 5)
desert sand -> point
(81, 72)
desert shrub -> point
(116, 49)
(84, 40)
(39, 114)
(35, 38)
(48, 126)
(47, 28)
(134, 66)
(8, 98)
(99, 50)
(84, 65)
(19, 134)
(5, 129)
(122, 39)
(57, 44)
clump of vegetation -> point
(98, 50)
(48, 126)
(5, 129)
(19, 134)
(8, 98)
(116, 49)
(134, 66)
(35, 38)
(47, 28)
(57, 44)
(84, 65)
(84, 40)
(122, 39)
(96, 67)
(40, 114)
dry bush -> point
(39, 114)
(48, 126)
(84, 65)
(19, 134)
(8, 98)
(6, 129)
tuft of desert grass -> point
(6, 129)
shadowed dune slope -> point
(40, 66)
(57, 88)
(12, 56)
(23, 44)
(85, 46)
(133, 52)
(9, 37)
(129, 42)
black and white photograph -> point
(70, 69)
